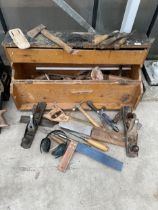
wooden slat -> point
(110, 95)
(96, 57)
(84, 41)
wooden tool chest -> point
(112, 94)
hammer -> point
(78, 106)
(42, 29)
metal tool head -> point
(78, 105)
(35, 31)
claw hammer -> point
(91, 120)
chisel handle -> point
(91, 105)
(97, 145)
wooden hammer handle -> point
(88, 117)
(100, 38)
(57, 40)
(119, 43)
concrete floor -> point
(30, 181)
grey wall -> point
(29, 13)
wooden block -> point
(64, 162)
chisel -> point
(91, 142)
(100, 134)
(106, 120)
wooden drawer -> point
(111, 94)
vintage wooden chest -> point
(28, 88)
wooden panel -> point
(67, 94)
(97, 57)
(81, 40)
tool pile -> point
(90, 137)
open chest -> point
(122, 84)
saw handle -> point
(97, 144)
(91, 105)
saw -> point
(100, 134)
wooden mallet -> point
(42, 29)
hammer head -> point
(77, 106)
(35, 31)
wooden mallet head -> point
(35, 31)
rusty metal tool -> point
(3, 122)
(2, 119)
(32, 126)
(106, 120)
(42, 29)
(131, 127)
(91, 120)
(44, 122)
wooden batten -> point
(95, 57)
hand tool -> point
(91, 120)
(100, 134)
(106, 120)
(61, 68)
(2, 111)
(72, 13)
(41, 29)
(121, 41)
(131, 127)
(114, 38)
(90, 152)
(45, 145)
(2, 119)
(100, 38)
(117, 117)
(91, 142)
(59, 150)
(19, 38)
(5, 79)
(32, 126)
(82, 148)
(56, 114)
(44, 122)
(64, 162)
